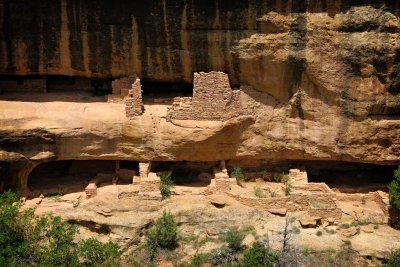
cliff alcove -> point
(301, 98)
(66, 176)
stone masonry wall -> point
(134, 102)
(122, 86)
(296, 202)
(213, 99)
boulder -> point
(248, 240)
(279, 212)
(218, 201)
(308, 221)
(352, 231)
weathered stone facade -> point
(298, 177)
(134, 102)
(213, 99)
(121, 87)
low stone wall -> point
(224, 185)
(151, 183)
(373, 196)
(313, 188)
(296, 202)
(298, 177)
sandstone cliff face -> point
(323, 77)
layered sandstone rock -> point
(319, 80)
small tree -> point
(234, 239)
(163, 234)
(394, 259)
(288, 185)
(165, 184)
(238, 174)
(394, 196)
(259, 256)
(95, 253)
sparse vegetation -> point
(344, 226)
(330, 231)
(393, 259)
(320, 204)
(95, 253)
(162, 235)
(223, 257)
(165, 184)
(260, 193)
(30, 240)
(394, 198)
(238, 174)
(234, 239)
(318, 233)
(198, 260)
(295, 230)
(288, 185)
(259, 256)
(363, 200)
(274, 194)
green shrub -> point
(234, 239)
(60, 237)
(319, 233)
(288, 185)
(295, 230)
(393, 259)
(162, 235)
(258, 192)
(95, 253)
(259, 256)
(30, 240)
(274, 194)
(394, 198)
(165, 184)
(394, 190)
(198, 260)
(344, 226)
(238, 174)
(222, 257)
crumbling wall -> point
(213, 99)
(298, 177)
(134, 102)
(121, 87)
(296, 202)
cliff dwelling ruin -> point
(226, 113)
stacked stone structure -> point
(134, 102)
(121, 87)
(298, 177)
(213, 99)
